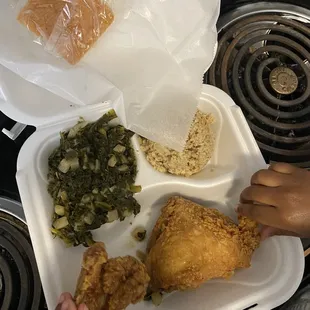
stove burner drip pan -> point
(262, 63)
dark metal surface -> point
(283, 80)
(20, 285)
(6, 284)
(8, 157)
(262, 63)
(20, 281)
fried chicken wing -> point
(125, 281)
(89, 286)
(191, 244)
(110, 284)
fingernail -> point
(65, 305)
(61, 298)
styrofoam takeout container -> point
(277, 266)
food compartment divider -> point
(219, 185)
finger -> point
(283, 168)
(269, 178)
(82, 307)
(64, 296)
(263, 214)
(260, 194)
(267, 232)
(58, 307)
(68, 304)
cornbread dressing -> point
(198, 150)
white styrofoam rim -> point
(220, 97)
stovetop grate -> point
(20, 286)
(263, 63)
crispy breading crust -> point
(89, 288)
(125, 281)
(110, 284)
(191, 244)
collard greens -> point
(91, 179)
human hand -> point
(66, 302)
(279, 199)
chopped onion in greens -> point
(91, 179)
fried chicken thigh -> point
(110, 284)
(191, 244)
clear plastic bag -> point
(69, 27)
(155, 52)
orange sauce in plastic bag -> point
(69, 27)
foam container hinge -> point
(277, 266)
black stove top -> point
(263, 64)
(8, 157)
(20, 285)
(229, 5)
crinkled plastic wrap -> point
(154, 51)
(69, 28)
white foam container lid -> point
(277, 266)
